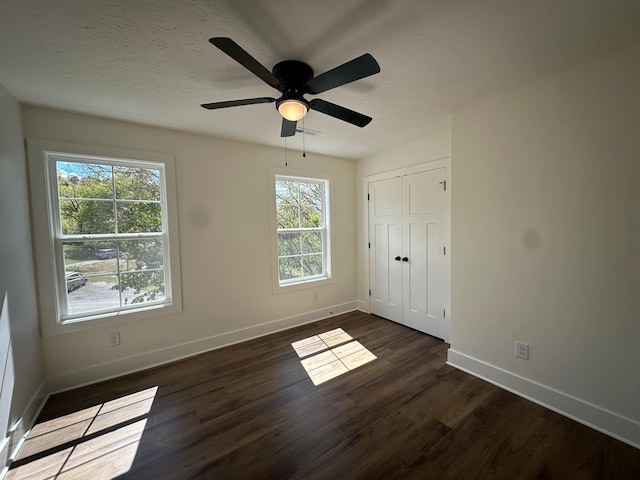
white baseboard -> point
(18, 431)
(123, 366)
(598, 418)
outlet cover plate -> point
(522, 350)
(114, 339)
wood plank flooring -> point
(250, 411)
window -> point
(302, 219)
(106, 247)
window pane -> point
(311, 193)
(312, 265)
(287, 192)
(311, 242)
(90, 252)
(97, 258)
(287, 216)
(97, 270)
(143, 287)
(139, 217)
(137, 183)
(91, 258)
(99, 293)
(290, 267)
(141, 254)
(125, 261)
(84, 180)
(288, 244)
(310, 216)
(84, 255)
(86, 217)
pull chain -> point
(304, 149)
(286, 162)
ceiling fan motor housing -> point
(293, 74)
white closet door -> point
(423, 209)
(385, 236)
(407, 235)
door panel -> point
(433, 309)
(423, 202)
(385, 235)
(386, 197)
(387, 276)
(423, 196)
(417, 265)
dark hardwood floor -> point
(250, 411)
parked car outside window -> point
(105, 253)
(75, 280)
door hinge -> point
(368, 197)
(444, 250)
(369, 292)
(444, 314)
(444, 184)
(369, 244)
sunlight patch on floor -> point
(97, 442)
(331, 362)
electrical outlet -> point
(114, 339)
(522, 350)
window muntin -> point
(109, 222)
(301, 224)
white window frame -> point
(306, 282)
(48, 239)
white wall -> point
(17, 283)
(545, 239)
(435, 147)
(223, 215)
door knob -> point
(405, 259)
(397, 259)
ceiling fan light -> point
(292, 109)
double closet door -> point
(408, 272)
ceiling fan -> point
(294, 79)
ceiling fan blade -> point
(358, 68)
(339, 112)
(288, 128)
(237, 103)
(236, 52)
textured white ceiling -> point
(149, 61)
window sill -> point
(293, 287)
(106, 320)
